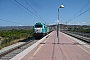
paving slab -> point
(67, 49)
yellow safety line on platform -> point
(84, 49)
(80, 47)
(31, 57)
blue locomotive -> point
(40, 30)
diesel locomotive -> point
(40, 30)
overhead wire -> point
(31, 7)
(82, 8)
(25, 8)
(17, 15)
(28, 9)
(76, 15)
(79, 15)
(22, 6)
(10, 21)
(34, 11)
(26, 4)
(21, 9)
(18, 6)
(12, 13)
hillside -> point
(15, 27)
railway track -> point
(16, 50)
(78, 36)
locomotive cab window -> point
(38, 26)
(44, 26)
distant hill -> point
(15, 27)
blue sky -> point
(28, 12)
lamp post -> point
(58, 23)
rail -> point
(78, 36)
(8, 54)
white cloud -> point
(69, 23)
(20, 25)
(83, 22)
(78, 23)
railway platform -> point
(68, 48)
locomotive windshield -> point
(38, 26)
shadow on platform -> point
(69, 43)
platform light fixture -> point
(58, 29)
